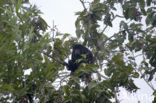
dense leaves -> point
(32, 59)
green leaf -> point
(148, 2)
(78, 13)
(65, 36)
(7, 87)
(92, 85)
(96, 1)
(18, 5)
(135, 75)
(118, 59)
(66, 90)
(123, 25)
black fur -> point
(77, 51)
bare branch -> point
(138, 55)
(119, 16)
(103, 43)
(147, 82)
(150, 85)
(56, 60)
(111, 37)
(104, 29)
(111, 20)
(83, 4)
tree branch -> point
(56, 60)
(111, 37)
(83, 4)
(149, 84)
(111, 20)
(115, 93)
(103, 43)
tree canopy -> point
(28, 44)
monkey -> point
(80, 54)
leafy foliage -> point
(27, 46)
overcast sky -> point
(62, 12)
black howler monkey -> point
(80, 54)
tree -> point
(27, 45)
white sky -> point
(61, 11)
(63, 14)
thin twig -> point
(58, 61)
(103, 43)
(137, 55)
(104, 29)
(151, 86)
(112, 37)
(83, 4)
(111, 20)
